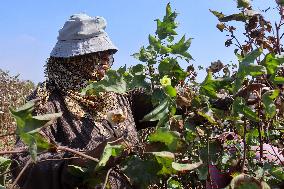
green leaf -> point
(186, 166)
(4, 166)
(208, 115)
(243, 3)
(277, 172)
(181, 47)
(202, 172)
(209, 87)
(170, 91)
(239, 106)
(112, 82)
(141, 172)
(166, 28)
(144, 55)
(156, 43)
(159, 112)
(77, 170)
(268, 102)
(109, 151)
(243, 181)
(247, 67)
(24, 110)
(271, 63)
(165, 159)
(169, 138)
(171, 68)
(233, 17)
(173, 184)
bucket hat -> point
(82, 34)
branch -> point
(245, 146)
(62, 148)
(106, 179)
(14, 152)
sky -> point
(29, 29)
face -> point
(96, 66)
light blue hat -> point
(82, 34)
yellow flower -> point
(165, 81)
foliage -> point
(231, 121)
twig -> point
(277, 156)
(245, 146)
(13, 152)
(21, 173)
(106, 179)
(62, 148)
(208, 160)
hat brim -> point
(71, 48)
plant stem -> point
(106, 179)
(13, 152)
(245, 146)
(63, 148)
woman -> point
(83, 53)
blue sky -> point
(29, 29)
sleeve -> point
(141, 105)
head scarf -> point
(70, 75)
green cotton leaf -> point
(276, 79)
(219, 15)
(239, 107)
(186, 166)
(144, 55)
(233, 17)
(170, 91)
(112, 82)
(202, 172)
(271, 63)
(277, 172)
(141, 172)
(109, 151)
(156, 43)
(165, 159)
(244, 181)
(268, 102)
(77, 170)
(181, 47)
(120, 81)
(24, 110)
(35, 123)
(36, 143)
(247, 67)
(4, 166)
(209, 87)
(171, 68)
(243, 3)
(208, 115)
(171, 139)
(174, 184)
(166, 28)
(138, 69)
(28, 127)
(159, 112)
